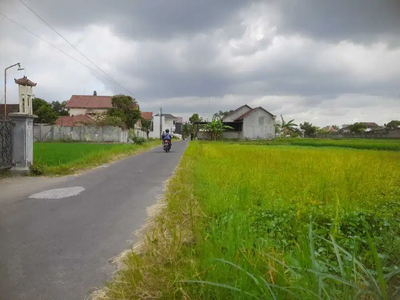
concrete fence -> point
(43, 133)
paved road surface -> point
(58, 249)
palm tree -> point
(215, 128)
(288, 127)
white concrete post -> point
(22, 142)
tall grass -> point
(247, 222)
(67, 158)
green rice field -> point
(65, 158)
(251, 221)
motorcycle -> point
(167, 146)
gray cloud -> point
(204, 56)
(364, 21)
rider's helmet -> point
(167, 130)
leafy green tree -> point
(357, 128)
(60, 108)
(104, 119)
(44, 111)
(146, 126)
(216, 127)
(126, 109)
(288, 127)
(193, 128)
(393, 124)
(186, 130)
(309, 129)
(336, 127)
(222, 114)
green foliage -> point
(60, 108)
(309, 129)
(186, 130)
(126, 109)
(221, 114)
(287, 127)
(357, 128)
(44, 111)
(36, 169)
(394, 124)
(135, 139)
(105, 119)
(215, 128)
(195, 118)
(146, 126)
(193, 127)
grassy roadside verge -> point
(67, 158)
(366, 144)
(271, 223)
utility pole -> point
(160, 123)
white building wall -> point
(237, 114)
(166, 124)
(259, 125)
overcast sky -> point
(322, 61)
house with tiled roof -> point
(82, 108)
(248, 123)
(73, 121)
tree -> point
(104, 119)
(222, 114)
(309, 129)
(186, 130)
(194, 118)
(44, 111)
(215, 128)
(288, 127)
(357, 128)
(125, 108)
(94, 93)
(394, 124)
(60, 108)
(336, 127)
(146, 126)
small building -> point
(247, 123)
(88, 105)
(178, 125)
(168, 121)
(330, 129)
(74, 121)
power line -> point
(52, 45)
(59, 34)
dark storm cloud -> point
(362, 21)
(188, 50)
(141, 19)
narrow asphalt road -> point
(58, 248)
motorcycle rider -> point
(167, 136)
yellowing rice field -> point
(272, 222)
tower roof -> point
(24, 81)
